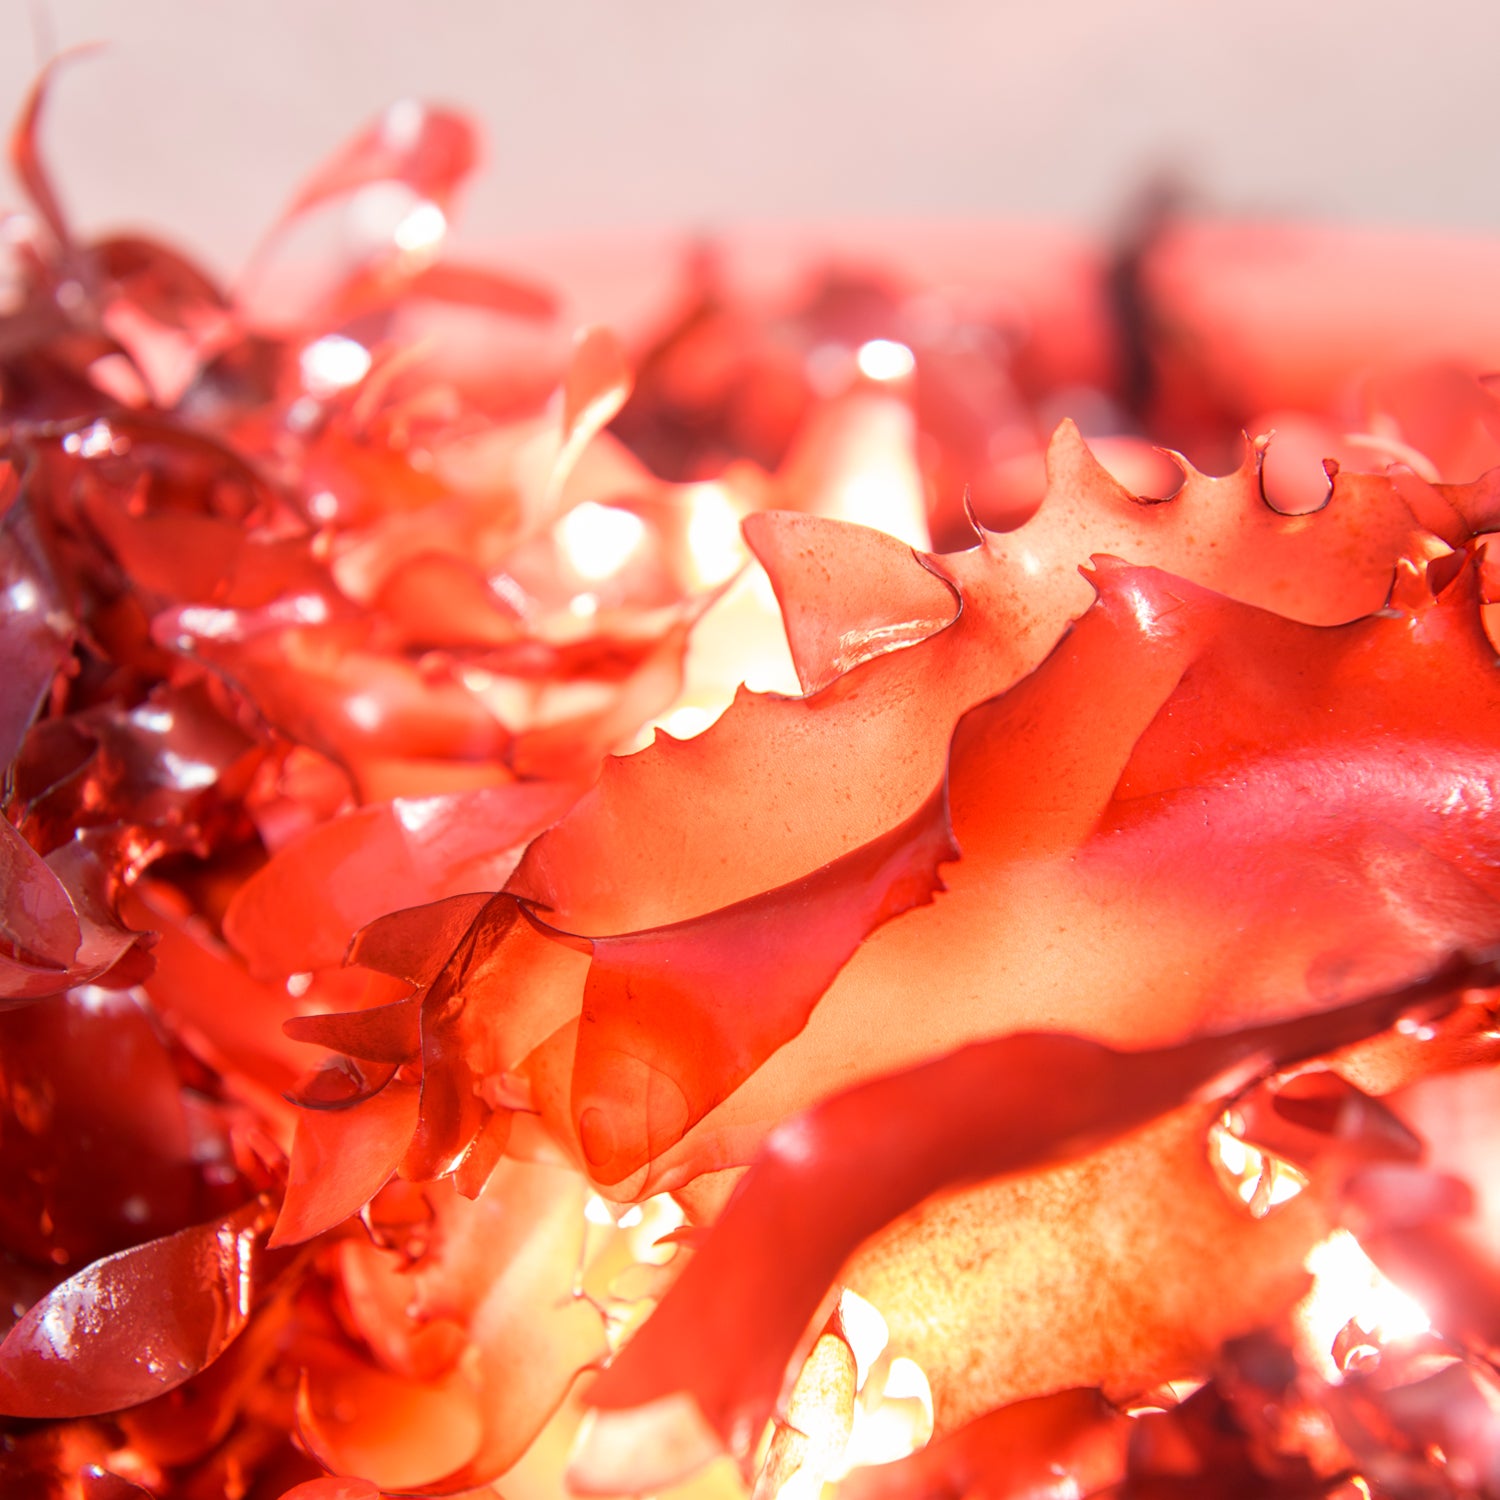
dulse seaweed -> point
(439, 998)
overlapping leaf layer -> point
(380, 993)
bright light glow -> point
(908, 1381)
(739, 639)
(883, 1433)
(297, 985)
(245, 1258)
(402, 124)
(1421, 1031)
(22, 596)
(806, 1484)
(364, 710)
(631, 1217)
(1233, 1152)
(1260, 1181)
(892, 1424)
(332, 364)
(190, 775)
(683, 723)
(1347, 1287)
(211, 624)
(596, 1211)
(305, 609)
(95, 999)
(1285, 1186)
(887, 501)
(791, 1142)
(585, 606)
(93, 442)
(1268, 1183)
(158, 720)
(476, 679)
(764, 592)
(323, 506)
(598, 539)
(509, 592)
(884, 359)
(420, 231)
(416, 814)
(1163, 1397)
(713, 535)
(866, 1331)
(810, 1442)
(659, 1216)
(1144, 610)
(302, 413)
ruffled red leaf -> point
(1005, 1106)
(435, 601)
(102, 950)
(95, 1136)
(1451, 1271)
(1320, 1121)
(158, 279)
(1019, 590)
(1067, 804)
(368, 711)
(168, 315)
(415, 943)
(1396, 1427)
(496, 988)
(596, 384)
(676, 1018)
(36, 634)
(39, 925)
(25, 157)
(300, 911)
(134, 1324)
(1073, 1438)
(199, 1418)
(381, 1034)
(383, 286)
(884, 603)
(500, 989)
(1175, 813)
(207, 560)
(332, 1488)
(503, 1268)
(198, 985)
(503, 991)
(354, 1417)
(341, 1158)
(424, 147)
(167, 775)
(341, 1083)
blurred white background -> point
(201, 114)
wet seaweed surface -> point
(887, 889)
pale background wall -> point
(702, 113)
